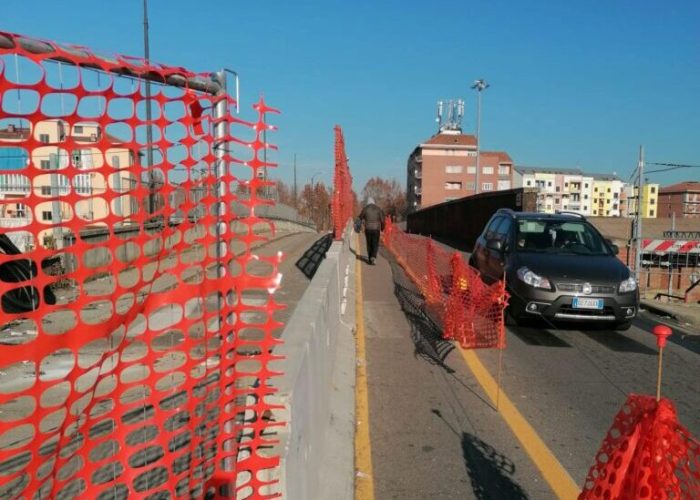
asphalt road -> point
(435, 433)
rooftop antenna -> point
(450, 114)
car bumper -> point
(527, 301)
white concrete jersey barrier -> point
(318, 385)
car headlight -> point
(532, 279)
(629, 285)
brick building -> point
(443, 168)
(682, 199)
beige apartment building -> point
(443, 168)
(62, 171)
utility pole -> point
(149, 130)
(638, 231)
(479, 85)
(295, 180)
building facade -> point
(680, 200)
(650, 201)
(560, 189)
(53, 175)
(443, 168)
(607, 195)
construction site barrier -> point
(469, 311)
(136, 325)
(342, 201)
(646, 453)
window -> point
(46, 190)
(651, 213)
(614, 206)
(585, 208)
(470, 186)
(487, 186)
(566, 184)
(449, 169)
(471, 153)
(46, 215)
(595, 189)
(585, 185)
(608, 190)
(45, 164)
(503, 170)
(607, 212)
(556, 200)
(471, 170)
(487, 170)
(653, 189)
(616, 195)
(585, 196)
(78, 129)
(549, 183)
(491, 229)
(450, 198)
(44, 138)
(21, 210)
(451, 186)
(115, 162)
(652, 202)
(528, 182)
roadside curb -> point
(661, 311)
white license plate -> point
(585, 303)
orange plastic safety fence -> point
(137, 325)
(647, 453)
(342, 202)
(470, 311)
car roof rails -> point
(508, 211)
(575, 214)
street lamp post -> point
(479, 86)
(313, 195)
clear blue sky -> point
(572, 83)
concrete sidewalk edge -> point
(660, 310)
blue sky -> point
(572, 83)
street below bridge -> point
(435, 431)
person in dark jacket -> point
(373, 219)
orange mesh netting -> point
(342, 202)
(137, 324)
(647, 453)
(469, 311)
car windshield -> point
(556, 236)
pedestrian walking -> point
(373, 219)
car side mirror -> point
(495, 244)
(615, 249)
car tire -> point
(623, 326)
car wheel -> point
(623, 327)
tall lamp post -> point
(313, 195)
(479, 86)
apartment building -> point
(681, 200)
(607, 195)
(650, 203)
(560, 189)
(53, 172)
(443, 168)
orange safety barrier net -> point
(470, 311)
(342, 202)
(647, 453)
(137, 324)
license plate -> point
(585, 303)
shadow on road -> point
(309, 263)
(489, 471)
(537, 335)
(617, 342)
(425, 334)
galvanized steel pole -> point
(638, 233)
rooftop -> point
(549, 170)
(502, 156)
(445, 139)
(681, 187)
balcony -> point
(418, 174)
(418, 159)
(418, 191)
